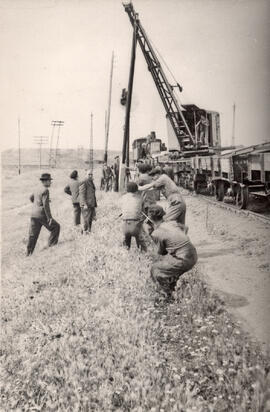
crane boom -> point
(165, 90)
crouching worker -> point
(131, 206)
(178, 255)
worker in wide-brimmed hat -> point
(41, 215)
(176, 209)
(178, 255)
(72, 189)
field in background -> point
(81, 329)
(66, 158)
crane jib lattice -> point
(165, 90)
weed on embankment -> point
(82, 332)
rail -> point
(233, 208)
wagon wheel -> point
(220, 191)
(242, 197)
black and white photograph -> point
(135, 195)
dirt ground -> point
(234, 258)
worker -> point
(150, 196)
(72, 189)
(131, 206)
(41, 215)
(107, 176)
(201, 130)
(178, 255)
(116, 168)
(176, 209)
(88, 203)
(169, 172)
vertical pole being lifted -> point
(125, 149)
(91, 157)
(19, 146)
(53, 159)
(107, 120)
(233, 127)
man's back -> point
(150, 196)
(40, 200)
(171, 236)
(131, 205)
(73, 190)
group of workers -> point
(176, 253)
(83, 196)
(110, 176)
(141, 216)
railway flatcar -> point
(240, 174)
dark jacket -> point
(73, 190)
(87, 192)
(41, 204)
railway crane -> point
(192, 130)
(194, 146)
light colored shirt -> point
(170, 237)
(41, 204)
(131, 206)
(167, 185)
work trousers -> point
(34, 231)
(88, 215)
(167, 269)
(77, 213)
(134, 228)
(176, 210)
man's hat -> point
(74, 174)
(45, 176)
(154, 171)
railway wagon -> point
(244, 173)
(240, 174)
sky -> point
(56, 56)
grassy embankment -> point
(81, 331)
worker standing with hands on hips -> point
(177, 207)
(41, 215)
(87, 196)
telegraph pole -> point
(53, 156)
(125, 149)
(40, 140)
(107, 123)
(19, 146)
(91, 157)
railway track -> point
(234, 209)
